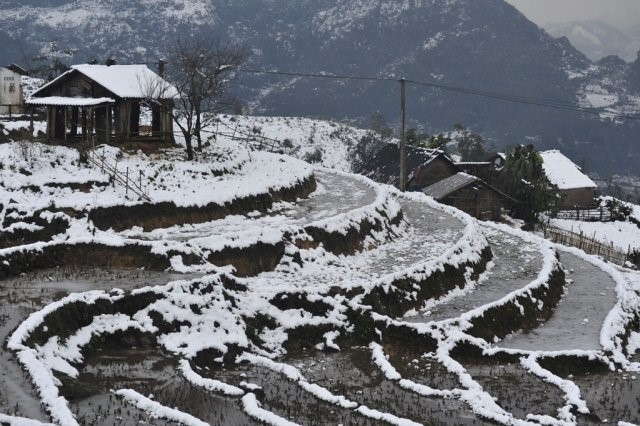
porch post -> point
(107, 123)
(50, 122)
(90, 128)
(66, 121)
(31, 122)
(84, 125)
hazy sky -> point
(621, 13)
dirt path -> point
(429, 234)
(577, 320)
(515, 264)
(335, 194)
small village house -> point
(435, 174)
(470, 194)
(107, 104)
(576, 189)
(423, 166)
(11, 97)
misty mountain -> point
(597, 39)
(475, 44)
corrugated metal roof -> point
(445, 187)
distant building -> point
(11, 98)
(433, 173)
(470, 194)
(107, 103)
(423, 166)
(575, 188)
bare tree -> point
(202, 69)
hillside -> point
(309, 296)
(475, 44)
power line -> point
(521, 99)
(317, 75)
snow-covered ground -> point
(34, 165)
(330, 141)
(623, 235)
(313, 293)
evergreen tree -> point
(380, 126)
(471, 146)
(438, 142)
(413, 138)
(525, 180)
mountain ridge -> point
(485, 45)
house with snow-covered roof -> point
(107, 104)
(575, 188)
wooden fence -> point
(601, 214)
(123, 178)
(255, 140)
(588, 244)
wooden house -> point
(435, 174)
(424, 166)
(575, 188)
(469, 194)
(107, 104)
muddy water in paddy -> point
(351, 373)
(148, 372)
(21, 296)
(611, 397)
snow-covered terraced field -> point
(317, 340)
(516, 263)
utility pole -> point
(403, 110)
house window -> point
(12, 87)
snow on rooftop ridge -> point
(69, 101)
(127, 81)
(562, 172)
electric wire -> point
(521, 99)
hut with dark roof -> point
(470, 194)
(424, 166)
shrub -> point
(314, 157)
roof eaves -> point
(52, 82)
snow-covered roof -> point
(124, 81)
(563, 173)
(68, 101)
(445, 187)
